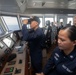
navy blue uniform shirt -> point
(35, 39)
(61, 64)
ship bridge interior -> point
(12, 12)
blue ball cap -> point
(35, 18)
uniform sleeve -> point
(50, 65)
(75, 71)
(30, 36)
(24, 32)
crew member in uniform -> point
(35, 38)
(63, 59)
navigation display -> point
(8, 41)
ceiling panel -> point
(66, 4)
(23, 6)
(9, 6)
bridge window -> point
(70, 19)
(28, 25)
(11, 23)
(40, 22)
(50, 19)
(61, 20)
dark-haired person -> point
(47, 33)
(69, 24)
(35, 39)
(63, 59)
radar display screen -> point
(8, 41)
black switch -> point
(17, 71)
(20, 61)
(3, 59)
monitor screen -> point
(8, 41)
(1, 45)
(12, 35)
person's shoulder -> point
(57, 49)
(24, 25)
(40, 30)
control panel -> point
(7, 51)
(11, 62)
(17, 71)
(8, 74)
(16, 65)
(20, 61)
(10, 69)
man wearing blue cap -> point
(35, 39)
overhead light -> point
(34, 4)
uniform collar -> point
(72, 55)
